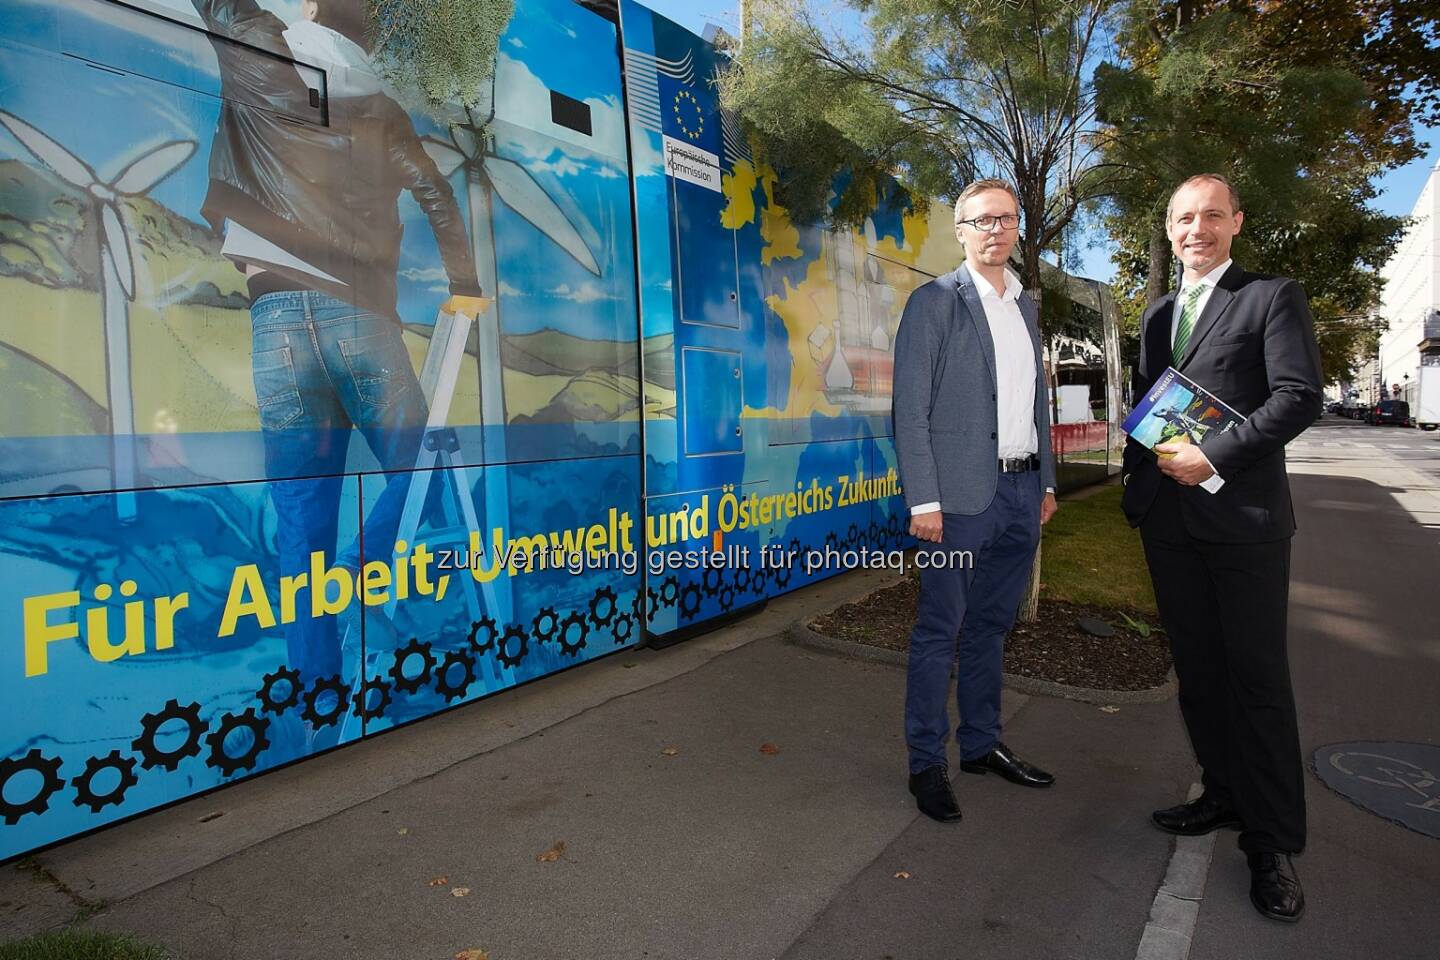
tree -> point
(1301, 105)
(445, 49)
(935, 93)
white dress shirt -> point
(1014, 373)
(1207, 286)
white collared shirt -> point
(1014, 372)
(1207, 286)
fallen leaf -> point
(769, 749)
(460, 892)
(630, 666)
(472, 955)
(1109, 709)
(439, 881)
(903, 875)
(403, 831)
(671, 751)
(551, 855)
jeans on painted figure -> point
(322, 366)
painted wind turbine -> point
(117, 270)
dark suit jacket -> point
(945, 409)
(1253, 347)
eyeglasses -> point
(1008, 221)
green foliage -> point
(1291, 113)
(933, 92)
(79, 945)
(444, 49)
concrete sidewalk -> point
(684, 840)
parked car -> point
(1392, 412)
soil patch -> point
(1052, 648)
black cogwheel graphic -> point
(85, 795)
(669, 591)
(269, 702)
(572, 632)
(782, 577)
(727, 597)
(637, 605)
(544, 625)
(795, 546)
(882, 536)
(622, 627)
(872, 533)
(757, 585)
(368, 707)
(742, 579)
(484, 627)
(604, 600)
(895, 525)
(150, 753)
(690, 601)
(711, 580)
(50, 784)
(332, 713)
(654, 602)
(415, 648)
(230, 722)
(518, 634)
(832, 541)
(447, 683)
(852, 536)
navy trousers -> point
(976, 600)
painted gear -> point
(150, 753)
(269, 703)
(757, 585)
(513, 631)
(551, 621)
(637, 605)
(415, 648)
(461, 660)
(712, 580)
(669, 591)
(654, 602)
(228, 765)
(49, 770)
(622, 627)
(336, 686)
(567, 646)
(795, 546)
(85, 795)
(727, 597)
(872, 533)
(852, 536)
(782, 577)
(832, 541)
(485, 627)
(606, 595)
(743, 577)
(360, 703)
(690, 601)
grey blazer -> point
(944, 405)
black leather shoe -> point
(1196, 818)
(1274, 888)
(1004, 762)
(933, 796)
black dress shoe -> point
(1274, 888)
(1002, 761)
(933, 796)
(1196, 818)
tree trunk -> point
(1157, 280)
(1030, 605)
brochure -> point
(1178, 410)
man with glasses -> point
(972, 437)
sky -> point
(1399, 189)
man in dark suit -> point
(972, 440)
(1216, 522)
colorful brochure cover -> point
(1178, 410)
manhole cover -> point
(1397, 781)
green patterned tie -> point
(1187, 322)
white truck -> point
(1427, 411)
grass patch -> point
(80, 945)
(1092, 556)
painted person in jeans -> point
(310, 214)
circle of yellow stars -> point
(699, 118)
